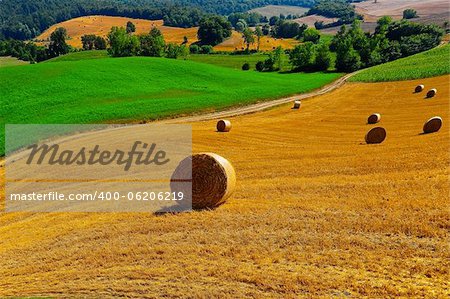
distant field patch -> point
(11, 61)
(276, 10)
(432, 63)
(236, 42)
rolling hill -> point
(316, 213)
(136, 89)
(101, 25)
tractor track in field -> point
(260, 106)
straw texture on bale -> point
(374, 118)
(213, 180)
(297, 104)
(376, 135)
(431, 93)
(419, 88)
(432, 125)
(223, 125)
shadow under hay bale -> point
(419, 88)
(213, 180)
(223, 125)
(297, 105)
(376, 135)
(431, 93)
(374, 118)
(432, 125)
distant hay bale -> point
(213, 180)
(223, 125)
(297, 104)
(376, 135)
(431, 93)
(419, 88)
(374, 118)
(432, 125)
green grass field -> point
(120, 90)
(423, 65)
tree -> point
(88, 41)
(241, 25)
(273, 20)
(277, 56)
(122, 44)
(409, 14)
(152, 44)
(323, 58)
(347, 59)
(130, 27)
(194, 49)
(302, 56)
(58, 44)
(175, 51)
(100, 43)
(259, 66)
(248, 37)
(259, 34)
(213, 30)
(311, 35)
(185, 40)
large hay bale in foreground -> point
(223, 125)
(432, 125)
(213, 179)
(374, 118)
(431, 93)
(297, 104)
(376, 135)
(419, 88)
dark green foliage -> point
(206, 49)
(409, 14)
(152, 44)
(131, 27)
(246, 66)
(175, 51)
(323, 58)
(391, 40)
(259, 66)
(302, 57)
(251, 19)
(93, 42)
(58, 44)
(194, 49)
(311, 35)
(122, 44)
(23, 51)
(288, 29)
(340, 9)
(213, 30)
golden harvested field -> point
(317, 213)
(236, 42)
(101, 25)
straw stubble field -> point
(316, 213)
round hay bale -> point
(297, 104)
(223, 125)
(374, 118)
(419, 88)
(213, 180)
(431, 93)
(376, 135)
(432, 125)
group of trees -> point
(391, 40)
(213, 30)
(93, 42)
(310, 57)
(123, 44)
(29, 51)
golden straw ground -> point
(316, 213)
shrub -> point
(194, 49)
(246, 66)
(409, 14)
(260, 66)
(206, 49)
